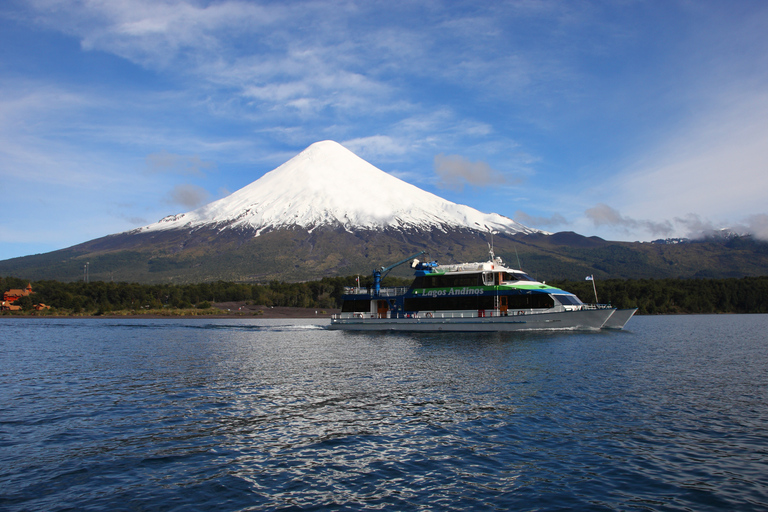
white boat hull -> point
(619, 318)
(583, 320)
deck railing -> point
(383, 292)
(488, 313)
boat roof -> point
(483, 266)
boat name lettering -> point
(453, 291)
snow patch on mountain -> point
(328, 185)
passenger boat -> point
(484, 296)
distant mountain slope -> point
(300, 255)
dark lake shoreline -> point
(227, 310)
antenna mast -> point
(490, 245)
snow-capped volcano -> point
(328, 213)
(328, 185)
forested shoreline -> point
(650, 296)
(677, 296)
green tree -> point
(27, 303)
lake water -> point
(202, 414)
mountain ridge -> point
(207, 255)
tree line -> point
(671, 296)
(103, 297)
(650, 296)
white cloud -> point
(155, 33)
(757, 225)
(266, 53)
(376, 146)
(689, 226)
(695, 227)
(604, 215)
(263, 52)
(713, 166)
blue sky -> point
(629, 120)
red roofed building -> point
(15, 294)
(12, 296)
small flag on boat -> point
(590, 278)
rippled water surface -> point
(263, 415)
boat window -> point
(568, 300)
(518, 276)
(356, 306)
(530, 301)
(447, 281)
(449, 303)
(519, 301)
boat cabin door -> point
(503, 305)
(382, 308)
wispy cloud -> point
(756, 225)
(155, 33)
(377, 146)
(716, 167)
(455, 171)
(555, 220)
(604, 215)
(188, 196)
(695, 227)
(690, 226)
(165, 162)
(264, 54)
(709, 160)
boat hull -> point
(619, 318)
(583, 320)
